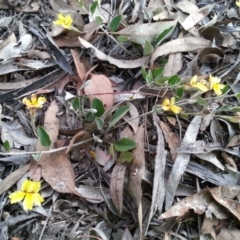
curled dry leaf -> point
(117, 185)
(187, 44)
(120, 63)
(100, 87)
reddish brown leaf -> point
(100, 87)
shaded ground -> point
(140, 127)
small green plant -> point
(123, 147)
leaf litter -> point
(141, 124)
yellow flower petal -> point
(238, 3)
(201, 87)
(172, 101)
(176, 109)
(64, 21)
(28, 202)
(16, 196)
(217, 88)
(193, 81)
(166, 102)
(37, 199)
(34, 99)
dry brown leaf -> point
(80, 136)
(225, 195)
(229, 160)
(117, 185)
(81, 66)
(198, 202)
(137, 167)
(181, 161)
(101, 88)
(174, 63)
(235, 141)
(101, 157)
(57, 171)
(209, 225)
(187, 44)
(196, 17)
(51, 125)
(228, 234)
(13, 178)
(171, 138)
(126, 64)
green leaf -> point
(157, 72)
(75, 103)
(118, 115)
(144, 73)
(174, 80)
(43, 137)
(6, 145)
(149, 77)
(125, 157)
(81, 4)
(179, 93)
(98, 20)
(201, 101)
(122, 39)
(94, 7)
(225, 89)
(98, 105)
(99, 122)
(148, 48)
(164, 34)
(125, 144)
(114, 24)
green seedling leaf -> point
(149, 77)
(179, 93)
(76, 103)
(99, 122)
(81, 4)
(98, 105)
(148, 48)
(98, 20)
(43, 137)
(225, 89)
(144, 73)
(94, 7)
(201, 101)
(118, 115)
(122, 39)
(6, 145)
(157, 72)
(174, 80)
(125, 157)
(163, 35)
(114, 25)
(125, 144)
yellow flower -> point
(34, 102)
(215, 85)
(238, 3)
(64, 21)
(29, 194)
(170, 105)
(202, 85)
